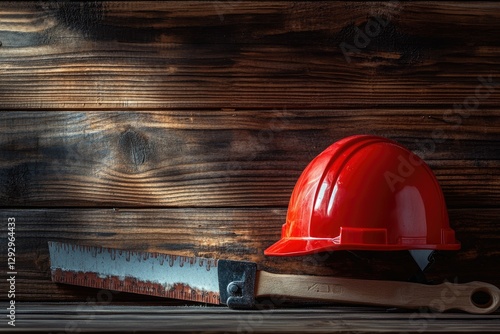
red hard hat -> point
(365, 193)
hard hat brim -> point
(307, 246)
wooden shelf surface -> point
(88, 317)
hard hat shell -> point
(365, 193)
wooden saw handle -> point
(473, 297)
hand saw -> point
(238, 284)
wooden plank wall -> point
(182, 127)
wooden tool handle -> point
(473, 297)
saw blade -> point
(155, 274)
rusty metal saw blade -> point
(238, 284)
(155, 274)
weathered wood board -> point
(98, 318)
(245, 55)
(183, 126)
(231, 233)
(219, 158)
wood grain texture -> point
(97, 318)
(222, 158)
(242, 54)
(182, 127)
(406, 295)
(238, 233)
